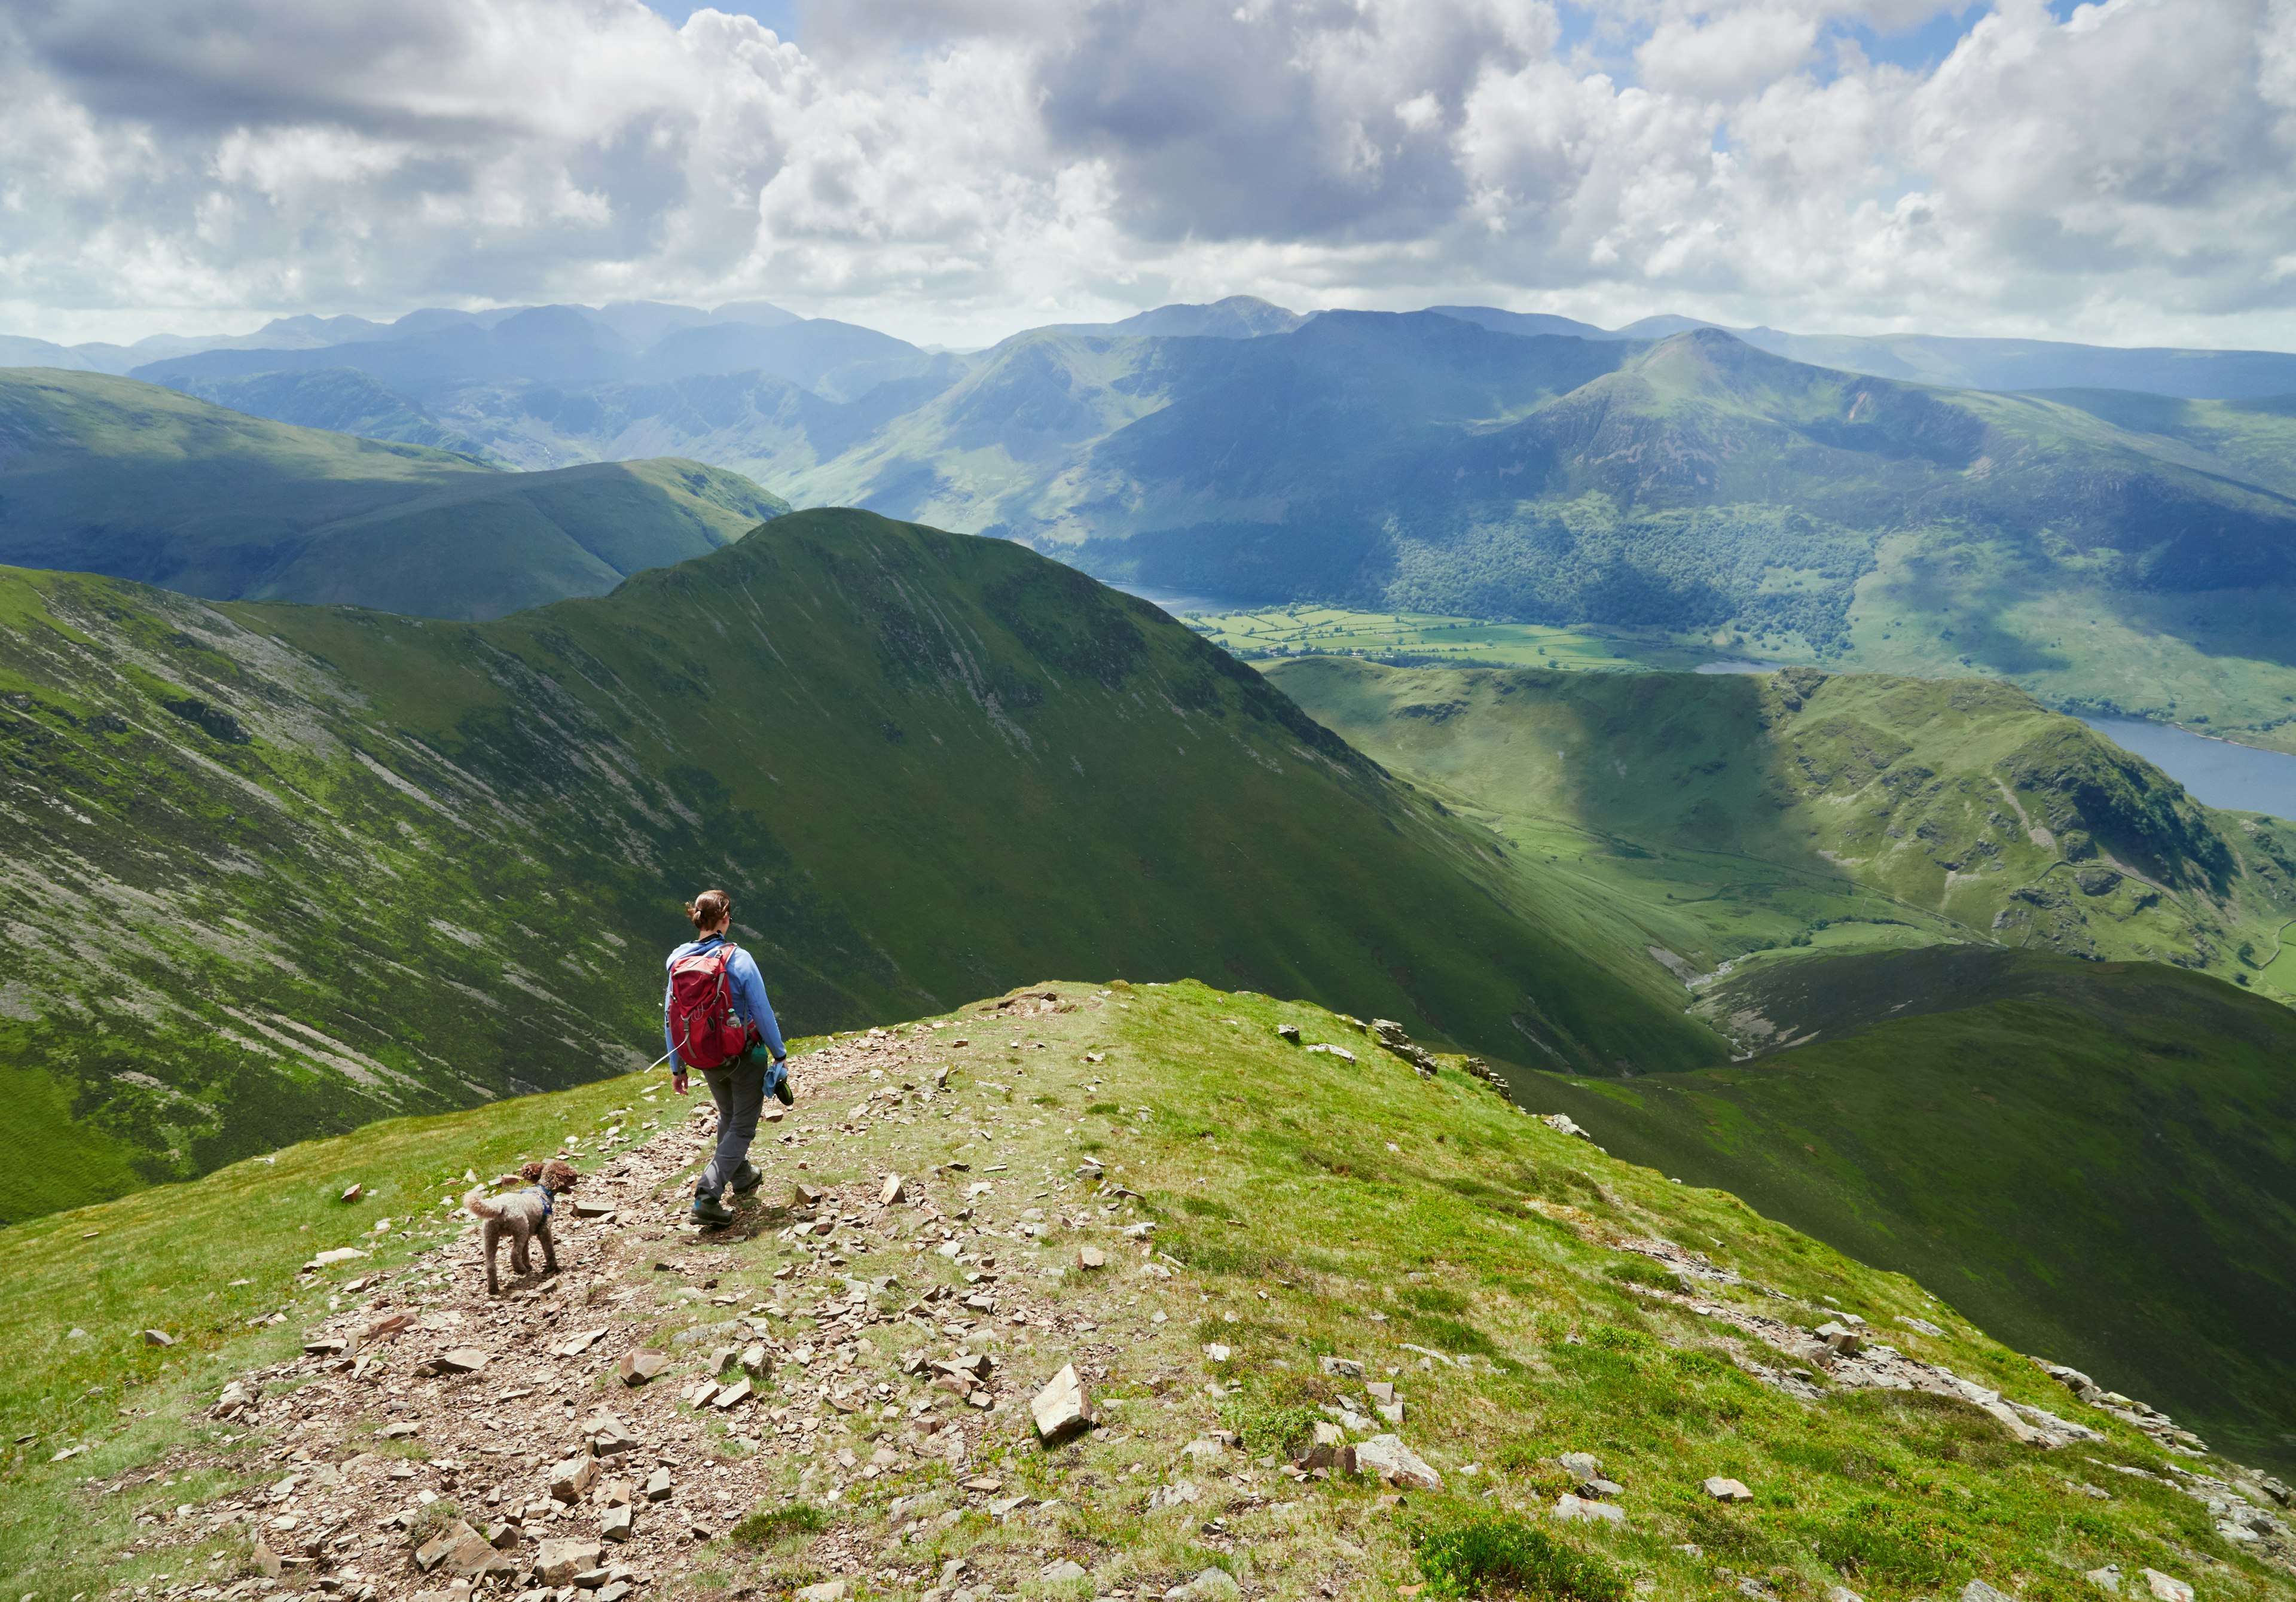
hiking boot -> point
(782, 1093)
(711, 1213)
(747, 1179)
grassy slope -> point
(1734, 812)
(1312, 1207)
(2093, 1161)
(113, 476)
(348, 863)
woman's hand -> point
(678, 1082)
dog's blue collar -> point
(547, 1199)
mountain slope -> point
(1520, 1292)
(111, 475)
(1736, 813)
(343, 399)
(2095, 1160)
(347, 864)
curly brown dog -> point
(525, 1214)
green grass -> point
(111, 475)
(1426, 638)
(2094, 1161)
(1711, 816)
(1360, 1190)
(446, 861)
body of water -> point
(2217, 772)
(1736, 665)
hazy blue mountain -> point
(341, 399)
(1237, 317)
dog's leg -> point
(519, 1263)
(489, 1233)
(549, 1252)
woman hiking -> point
(715, 1017)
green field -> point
(1302, 1207)
(1424, 637)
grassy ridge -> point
(107, 475)
(2094, 1161)
(350, 864)
(1735, 813)
(1308, 1206)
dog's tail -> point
(479, 1206)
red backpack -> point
(701, 1020)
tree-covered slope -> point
(2098, 1161)
(280, 869)
(109, 475)
(1722, 814)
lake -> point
(2216, 771)
(1178, 601)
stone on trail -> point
(569, 1480)
(1061, 1408)
(558, 1561)
(1573, 1509)
(2167, 1587)
(638, 1367)
(892, 1191)
(1386, 1457)
(1725, 1489)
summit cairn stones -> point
(1062, 1409)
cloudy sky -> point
(952, 171)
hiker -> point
(715, 1017)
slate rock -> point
(614, 1523)
(636, 1368)
(435, 1551)
(893, 1191)
(828, 1591)
(1976, 1591)
(1091, 1257)
(658, 1486)
(2167, 1587)
(569, 1480)
(1574, 1509)
(1386, 1457)
(1584, 1465)
(558, 1561)
(1725, 1489)
(1063, 1408)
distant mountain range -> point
(107, 475)
(2072, 518)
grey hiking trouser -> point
(739, 1089)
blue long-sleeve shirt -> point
(748, 987)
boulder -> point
(828, 1591)
(657, 1486)
(1976, 1591)
(1574, 1509)
(435, 1551)
(1345, 1367)
(614, 1523)
(558, 1561)
(2167, 1587)
(892, 1191)
(1386, 1457)
(731, 1396)
(2106, 1579)
(1582, 1465)
(1066, 1570)
(458, 1359)
(571, 1480)
(1063, 1408)
(1091, 1257)
(158, 1337)
(756, 1362)
(1725, 1489)
(636, 1368)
